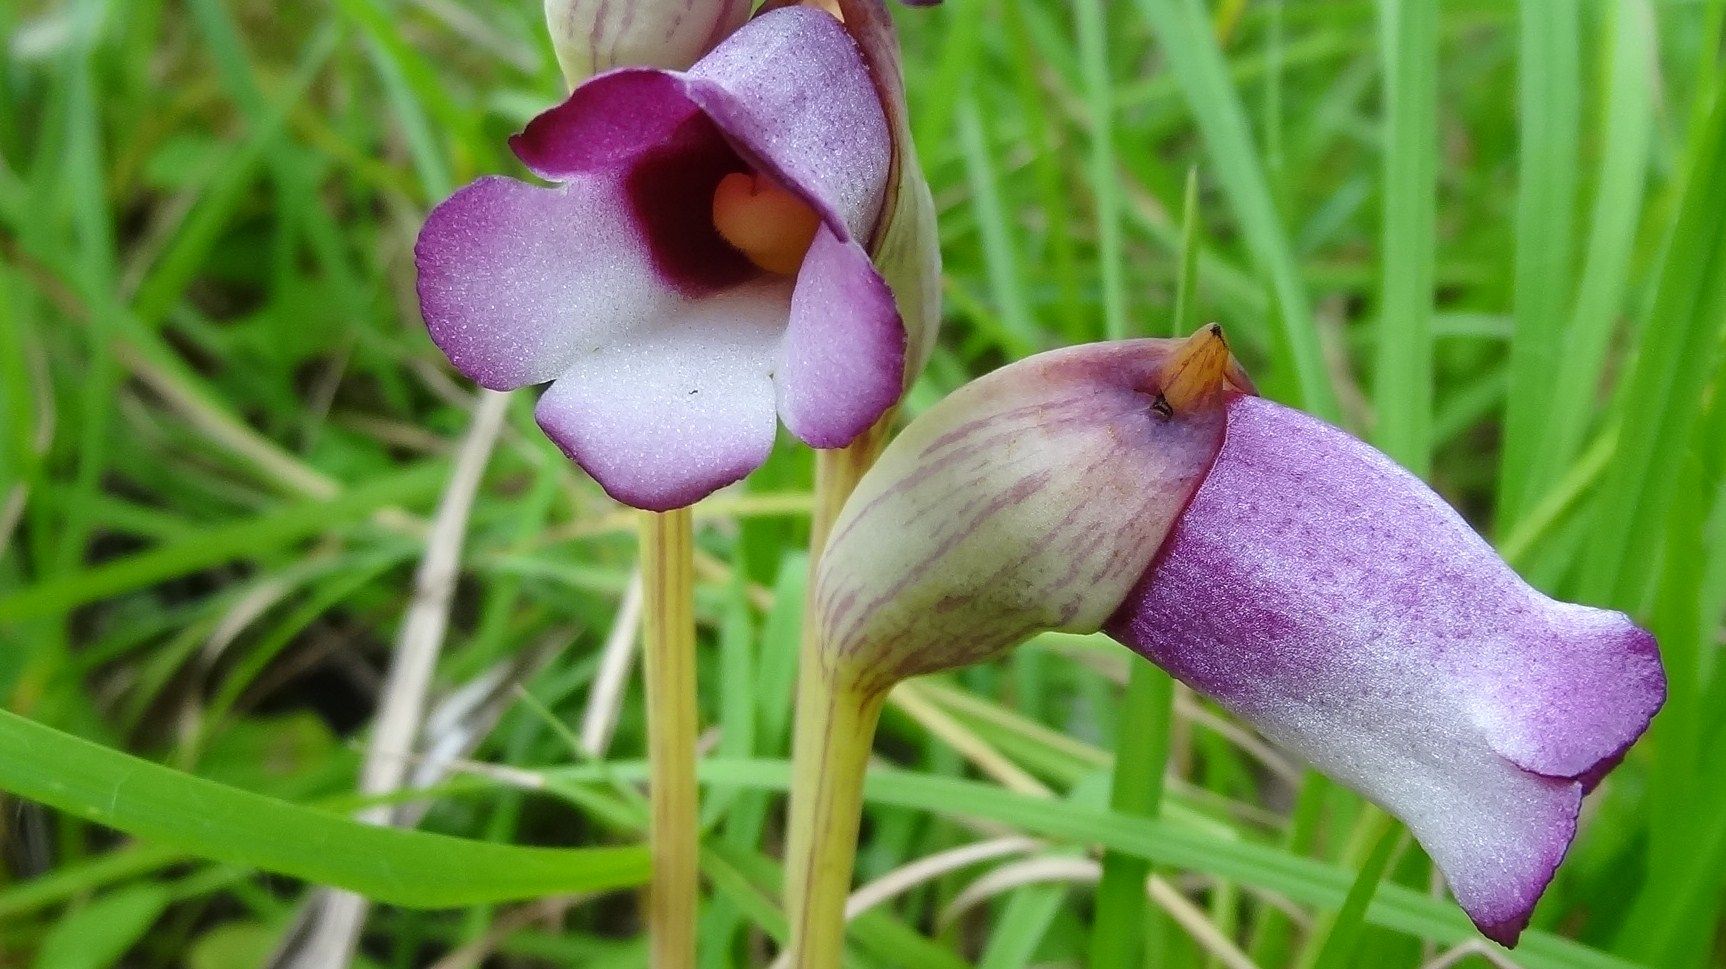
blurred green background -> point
(1491, 237)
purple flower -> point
(1271, 561)
(723, 245)
(1329, 597)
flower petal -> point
(605, 124)
(792, 92)
(905, 245)
(844, 362)
(789, 90)
(678, 410)
(515, 279)
(1329, 597)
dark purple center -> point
(671, 188)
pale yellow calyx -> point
(764, 220)
(1197, 371)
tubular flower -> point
(722, 245)
(1266, 559)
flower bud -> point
(592, 36)
(1031, 499)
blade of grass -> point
(1187, 283)
(1336, 940)
(1403, 392)
(226, 824)
(1046, 166)
(1625, 135)
(1193, 56)
(1091, 17)
(1000, 256)
(224, 543)
(1023, 923)
(1141, 753)
(82, 168)
(1659, 400)
(1549, 81)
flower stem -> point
(830, 741)
(837, 472)
(668, 632)
(830, 752)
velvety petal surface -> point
(514, 280)
(605, 125)
(1329, 597)
(844, 355)
(789, 91)
(905, 244)
(1030, 499)
(681, 409)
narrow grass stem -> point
(1371, 849)
(830, 752)
(668, 631)
(1147, 711)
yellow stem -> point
(830, 753)
(837, 472)
(668, 633)
(830, 746)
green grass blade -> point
(1403, 392)
(1141, 752)
(1660, 399)
(1625, 136)
(1337, 938)
(1549, 80)
(99, 934)
(1023, 923)
(60, 594)
(1197, 63)
(1000, 254)
(1187, 283)
(226, 824)
(1092, 22)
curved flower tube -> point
(723, 245)
(1271, 561)
(1331, 599)
(591, 36)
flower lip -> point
(1333, 600)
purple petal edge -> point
(1330, 598)
(514, 278)
(844, 355)
(681, 410)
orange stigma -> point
(767, 223)
(1198, 370)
